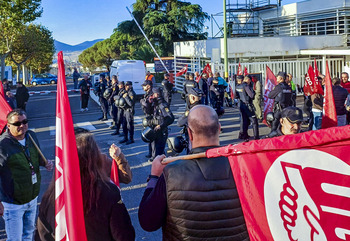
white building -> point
(286, 38)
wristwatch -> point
(152, 176)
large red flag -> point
(69, 213)
(239, 71)
(294, 187)
(4, 110)
(329, 117)
(206, 70)
(317, 84)
(2, 89)
(182, 71)
(245, 71)
(270, 83)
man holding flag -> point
(20, 176)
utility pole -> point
(225, 43)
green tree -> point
(14, 15)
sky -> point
(75, 21)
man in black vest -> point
(178, 198)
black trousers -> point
(104, 106)
(120, 118)
(247, 117)
(158, 145)
(128, 124)
(277, 116)
(84, 101)
(113, 112)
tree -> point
(14, 14)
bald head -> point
(204, 121)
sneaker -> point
(123, 141)
(129, 142)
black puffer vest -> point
(203, 202)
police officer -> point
(162, 118)
(100, 88)
(188, 85)
(120, 112)
(167, 89)
(217, 91)
(147, 107)
(245, 94)
(113, 111)
(282, 94)
(203, 85)
(129, 111)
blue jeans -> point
(317, 120)
(20, 220)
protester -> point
(10, 99)
(84, 87)
(290, 122)
(345, 83)
(22, 96)
(75, 76)
(105, 214)
(339, 94)
(6, 85)
(20, 177)
(257, 87)
(179, 198)
(317, 107)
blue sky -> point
(76, 21)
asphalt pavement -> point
(41, 111)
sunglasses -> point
(19, 123)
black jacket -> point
(340, 94)
(22, 95)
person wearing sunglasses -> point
(20, 177)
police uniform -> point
(148, 108)
(100, 88)
(188, 85)
(162, 117)
(217, 92)
(245, 94)
(167, 90)
(113, 111)
(128, 118)
(120, 112)
(282, 94)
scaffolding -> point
(242, 17)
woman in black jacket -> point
(106, 217)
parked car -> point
(44, 79)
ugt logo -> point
(307, 197)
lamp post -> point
(225, 44)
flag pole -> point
(149, 42)
(168, 160)
(37, 147)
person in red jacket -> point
(345, 81)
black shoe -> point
(123, 141)
(150, 160)
(130, 142)
(104, 119)
(148, 156)
(115, 133)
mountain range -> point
(73, 48)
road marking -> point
(86, 125)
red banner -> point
(4, 110)
(2, 89)
(69, 213)
(245, 71)
(206, 70)
(317, 84)
(239, 71)
(329, 118)
(182, 71)
(294, 187)
(270, 83)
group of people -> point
(20, 99)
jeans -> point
(20, 220)
(341, 120)
(317, 120)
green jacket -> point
(15, 173)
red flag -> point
(245, 71)
(182, 71)
(206, 70)
(171, 78)
(294, 187)
(317, 84)
(2, 89)
(270, 83)
(69, 213)
(4, 110)
(114, 173)
(329, 118)
(239, 71)
(317, 73)
(309, 81)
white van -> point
(130, 70)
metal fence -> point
(298, 68)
